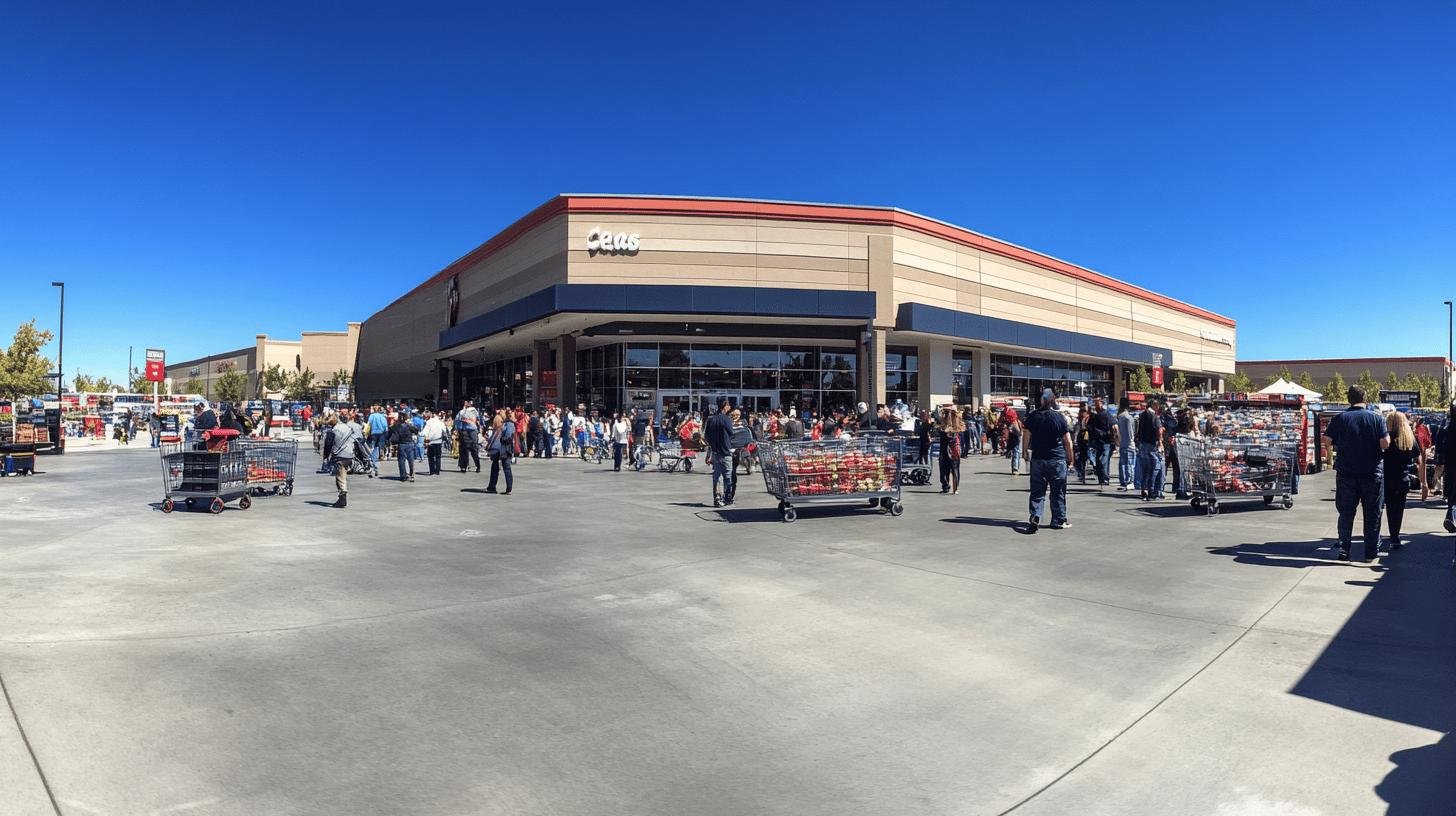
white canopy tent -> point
(1283, 386)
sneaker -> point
(1061, 525)
(1344, 554)
(1122, 488)
(1035, 522)
(1449, 524)
(1396, 544)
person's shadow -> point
(1022, 527)
(1421, 779)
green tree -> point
(1239, 382)
(1269, 380)
(340, 377)
(1285, 374)
(1430, 390)
(82, 383)
(105, 386)
(1179, 385)
(274, 379)
(139, 382)
(22, 368)
(1335, 390)
(1141, 380)
(231, 386)
(1392, 382)
(1306, 380)
(1371, 385)
(301, 385)
(194, 386)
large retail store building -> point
(636, 300)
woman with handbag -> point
(951, 428)
(501, 448)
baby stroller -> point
(362, 463)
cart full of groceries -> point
(271, 464)
(842, 471)
(1225, 468)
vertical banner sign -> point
(156, 365)
(1157, 377)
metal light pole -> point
(61, 345)
(128, 368)
(1446, 386)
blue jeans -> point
(1015, 457)
(406, 462)
(376, 443)
(1150, 468)
(723, 469)
(1366, 494)
(1126, 465)
(498, 464)
(1101, 455)
(1049, 474)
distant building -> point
(322, 352)
(1350, 368)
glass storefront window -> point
(799, 357)
(641, 378)
(839, 360)
(673, 378)
(766, 357)
(837, 380)
(717, 379)
(642, 355)
(758, 379)
(705, 355)
(673, 355)
(1010, 377)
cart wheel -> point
(288, 489)
(1288, 503)
(191, 504)
(168, 505)
(1197, 504)
(782, 507)
(1213, 508)
(687, 466)
(896, 508)
(790, 514)
(215, 507)
(244, 503)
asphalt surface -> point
(604, 643)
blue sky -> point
(198, 173)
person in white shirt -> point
(621, 432)
(551, 424)
(433, 434)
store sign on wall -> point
(621, 243)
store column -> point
(542, 382)
(981, 373)
(872, 366)
(935, 376)
(566, 369)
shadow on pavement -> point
(1395, 658)
(1019, 526)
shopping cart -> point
(916, 473)
(833, 471)
(671, 457)
(1222, 469)
(203, 477)
(271, 463)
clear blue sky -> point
(1292, 165)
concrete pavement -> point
(604, 643)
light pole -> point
(61, 345)
(1446, 386)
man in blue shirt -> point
(1049, 452)
(1358, 437)
(718, 433)
(378, 430)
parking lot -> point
(607, 643)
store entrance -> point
(706, 402)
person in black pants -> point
(500, 448)
(1359, 437)
(1398, 459)
(922, 438)
(951, 428)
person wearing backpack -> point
(1149, 433)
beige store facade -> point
(322, 352)
(656, 302)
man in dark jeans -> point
(1049, 452)
(1101, 439)
(1358, 436)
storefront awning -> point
(918, 317)
(617, 299)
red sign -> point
(547, 387)
(1157, 376)
(156, 365)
